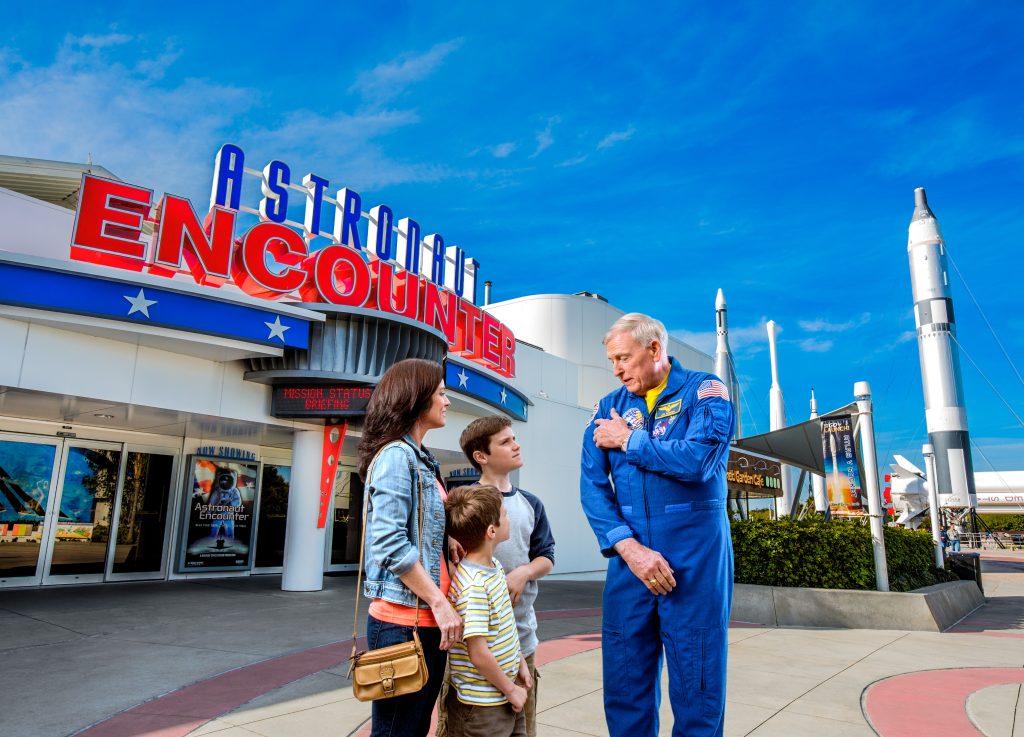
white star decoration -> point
(463, 378)
(504, 395)
(276, 329)
(139, 303)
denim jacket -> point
(392, 529)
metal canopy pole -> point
(933, 503)
(862, 391)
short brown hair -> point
(471, 510)
(477, 436)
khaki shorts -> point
(529, 711)
(465, 720)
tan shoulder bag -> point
(395, 670)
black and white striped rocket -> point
(945, 409)
(724, 367)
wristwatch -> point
(625, 443)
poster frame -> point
(184, 507)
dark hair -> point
(478, 434)
(403, 393)
(471, 510)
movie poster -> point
(218, 521)
(842, 477)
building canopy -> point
(796, 445)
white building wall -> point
(48, 359)
(33, 226)
(565, 375)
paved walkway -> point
(238, 658)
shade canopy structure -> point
(797, 445)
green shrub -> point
(814, 553)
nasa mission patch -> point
(634, 418)
(661, 426)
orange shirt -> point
(387, 611)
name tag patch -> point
(668, 410)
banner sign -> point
(842, 476)
(384, 264)
(334, 437)
(218, 521)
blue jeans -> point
(409, 715)
(956, 545)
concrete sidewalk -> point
(239, 657)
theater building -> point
(180, 396)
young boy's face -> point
(504, 528)
(504, 455)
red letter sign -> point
(109, 223)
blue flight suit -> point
(668, 491)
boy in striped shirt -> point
(489, 676)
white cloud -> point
(92, 41)
(503, 150)
(749, 336)
(84, 103)
(925, 141)
(616, 137)
(821, 325)
(573, 161)
(164, 135)
(546, 138)
(905, 337)
(388, 80)
(813, 345)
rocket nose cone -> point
(921, 208)
(720, 300)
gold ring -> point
(653, 582)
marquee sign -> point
(320, 400)
(391, 268)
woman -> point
(409, 400)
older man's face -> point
(639, 369)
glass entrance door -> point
(345, 521)
(271, 522)
(76, 511)
(83, 512)
(27, 480)
(138, 547)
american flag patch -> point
(712, 388)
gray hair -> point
(642, 328)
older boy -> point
(489, 676)
(529, 554)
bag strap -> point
(362, 550)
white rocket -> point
(777, 419)
(945, 411)
(724, 367)
(818, 482)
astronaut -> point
(653, 488)
(224, 493)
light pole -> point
(862, 390)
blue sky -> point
(651, 156)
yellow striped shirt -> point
(480, 596)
